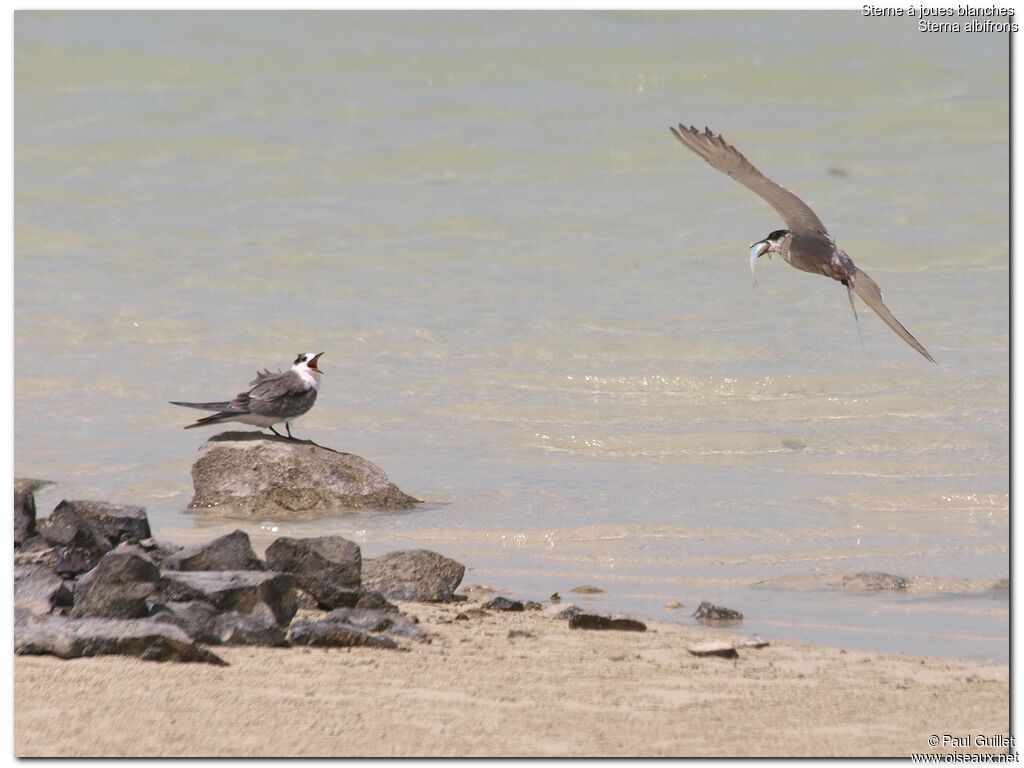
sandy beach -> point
(517, 684)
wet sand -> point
(476, 690)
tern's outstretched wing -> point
(721, 156)
(871, 295)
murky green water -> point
(536, 307)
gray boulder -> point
(197, 618)
(257, 628)
(117, 588)
(231, 552)
(25, 508)
(75, 638)
(377, 621)
(416, 574)
(205, 624)
(37, 589)
(252, 475)
(117, 522)
(330, 633)
(241, 591)
(327, 567)
(67, 527)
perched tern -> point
(274, 397)
(806, 244)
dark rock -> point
(66, 527)
(566, 612)
(37, 589)
(327, 567)
(256, 628)
(593, 621)
(368, 620)
(471, 613)
(231, 552)
(503, 604)
(252, 475)
(75, 638)
(68, 561)
(370, 599)
(587, 589)
(197, 618)
(24, 511)
(117, 522)
(714, 648)
(532, 605)
(708, 612)
(874, 581)
(117, 587)
(334, 634)
(417, 574)
(159, 551)
(234, 590)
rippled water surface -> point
(535, 305)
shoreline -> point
(517, 684)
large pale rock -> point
(326, 567)
(74, 638)
(252, 475)
(231, 552)
(416, 574)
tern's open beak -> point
(312, 363)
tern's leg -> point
(271, 428)
(288, 429)
(856, 320)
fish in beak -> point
(756, 251)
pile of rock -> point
(90, 580)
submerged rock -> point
(873, 581)
(708, 612)
(252, 475)
(418, 574)
(231, 552)
(327, 567)
(75, 638)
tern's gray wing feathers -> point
(723, 157)
(222, 406)
(871, 295)
(278, 394)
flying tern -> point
(806, 244)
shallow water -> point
(535, 306)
